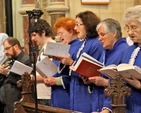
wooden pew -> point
(116, 90)
(27, 103)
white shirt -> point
(43, 91)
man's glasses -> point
(7, 48)
(132, 28)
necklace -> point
(134, 55)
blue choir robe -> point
(133, 103)
(60, 95)
(113, 56)
(80, 97)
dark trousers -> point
(9, 93)
(1, 107)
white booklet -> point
(46, 67)
(125, 70)
(20, 68)
(56, 49)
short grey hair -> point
(110, 25)
(132, 13)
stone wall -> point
(114, 9)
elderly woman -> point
(132, 20)
(60, 82)
(110, 35)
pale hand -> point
(55, 57)
(134, 82)
(67, 60)
(50, 81)
(99, 81)
(103, 111)
(3, 70)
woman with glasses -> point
(60, 82)
(110, 35)
(80, 94)
(132, 20)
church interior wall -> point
(114, 9)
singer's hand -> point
(3, 70)
(85, 80)
(134, 82)
(96, 112)
(67, 60)
(99, 81)
(103, 111)
(55, 57)
(32, 77)
(50, 81)
(39, 78)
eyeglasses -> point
(60, 33)
(7, 48)
(77, 24)
(132, 28)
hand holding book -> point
(20, 68)
(46, 67)
(50, 81)
(67, 60)
(87, 66)
(99, 81)
(55, 57)
(125, 70)
(134, 82)
(86, 80)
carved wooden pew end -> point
(27, 103)
(117, 91)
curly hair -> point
(90, 21)
(132, 13)
(40, 27)
(67, 23)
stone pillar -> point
(2, 19)
(56, 9)
(27, 5)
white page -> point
(56, 49)
(20, 68)
(46, 67)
